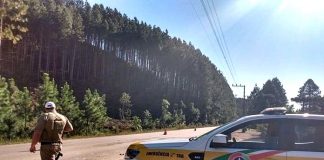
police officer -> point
(48, 131)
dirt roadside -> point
(100, 148)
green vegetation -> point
(125, 109)
(165, 114)
(273, 94)
(20, 109)
(94, 112)
(46, 91)
(137, 124)
(194, 113)
(309, 96)
(148, 121)
(111, 72)
(98, 48)
(12, 20)
(68, 105)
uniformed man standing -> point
(48, 131)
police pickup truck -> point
(270, 135)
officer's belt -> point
(51, 143)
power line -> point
(215, 24)
(205, 30)
(223, 37)
(217, 38)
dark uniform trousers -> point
(49, 151)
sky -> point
(264, 38)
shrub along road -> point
(99, 148)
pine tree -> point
(178, 117)
(137, 123)
(94, 112)
(19, 120)
(4, 97)
(47, 91)
(24, 111)
(14, 91)
(165, 115)
(13, 122)
(101, 48)
(10, 125)
(147, 122)
(125, 102)
(5, 109)
(69, 107)
(272, 95)
(12, 19)
(194, 114)
(252, 100)
(281, 98)
(309, 96)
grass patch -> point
(15, 141)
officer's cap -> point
(50, 105)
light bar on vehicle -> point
(274, 111)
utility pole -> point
(236, 85)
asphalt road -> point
(101, 148)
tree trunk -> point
(1, 25)
(63, 66)
(54, 56)
(32, 61)
(72, 62)
(80, 66)
(24, 43)
(40, 54)
(48, 56)
(94, 63)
